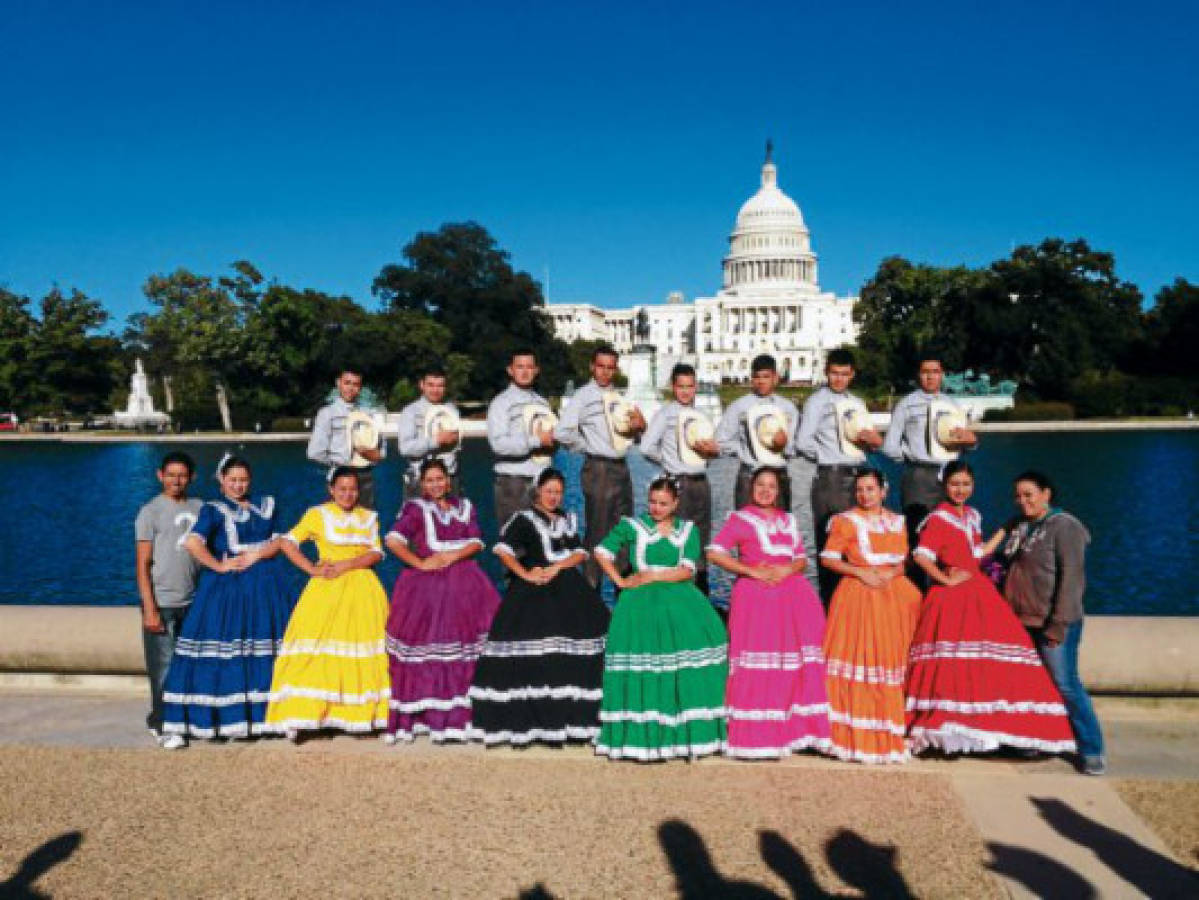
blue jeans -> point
(1062, 664)
(159, 649)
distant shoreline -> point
(475, 429)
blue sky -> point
(610, 144)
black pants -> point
(920, 490)
(695, 505)
(607, 496)
(741, 489)
(832, 492)
(512, 494)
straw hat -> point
(943, 418)
(619, 414)
(852, 419)
(441, 417)
(693, 427)
(763, 422)
(363, 434)
(538, 418)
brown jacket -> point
(1047, 576)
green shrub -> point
(288, 423)
(1031, 412)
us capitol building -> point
(771, 302)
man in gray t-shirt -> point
(166, 577)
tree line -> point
(1053, 317)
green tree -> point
(16, 339)
(1172, 330)
(71, 368)
(199, 326)
(459, 277)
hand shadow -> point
(38, 863)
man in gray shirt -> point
(416, 445)
(819, 439)
(606, 483)
(330, 441)
(907, 442)
(166, 577)
(660, 445)
(520, 455)
(733, 438)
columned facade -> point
(770, 302)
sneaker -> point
(1094, 765)
(388, 739)
(172, 742)
(154, 732)
(292, 735)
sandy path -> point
(248, 821)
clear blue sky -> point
(609, 143)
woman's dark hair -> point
(178, 457)
(548, 475)
(766, 470)
(665, 483)
(876, 474)
(434, 462)
(342, 472)
(1040, 479)
(233, 461)
(958, 465)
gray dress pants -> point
(512, 494)
(832, 492)
(607, 496)
(695, 505)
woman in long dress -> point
(776, 697)
(219, 681)
(332, 669)
(667, 653)
(540, 675)
(441, 610)
(975, 682)
(871, 619)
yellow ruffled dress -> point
(332, 669)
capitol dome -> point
(770, 246)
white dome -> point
(770, 247)
(769, 207)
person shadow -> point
(1150, 872)
(868, 867)
(50, 854)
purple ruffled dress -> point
(438, 623)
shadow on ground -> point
(1150, 872)
(38, 863)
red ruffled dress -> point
(975, 681)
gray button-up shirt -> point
(819, 437)
(329, 444)
(660, 443)
(414, 444)
(584, 427)
(907, 435)
(732, 437)
(510, 440)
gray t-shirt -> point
(165, 523)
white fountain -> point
(139, 412)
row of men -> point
(522, 449)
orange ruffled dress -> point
(866, 645)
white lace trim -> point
(847, 755)
(343, 649)
(987, 706)
(235, 517)
(544, 692)
(777, 715)
(439, 735)
(700, 714)
(926, 553)
(649, 754)
(666, 662)
(364, 531)
(645, 537)
(782, 525)
(329, 722)
(461, 701)
(808, 742)
(885, 725)
(227, 649)
(546, 647)
(1007, 653)
(893, 677)
(790, 661)
(954, 738)
(557, 735)
(216, 699)
(450, 652)
(234, 730)
(887, 523)
(306, 693)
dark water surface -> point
(66, 535)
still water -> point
(66, 533)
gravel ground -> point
(1171, 809)
(254, 820)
